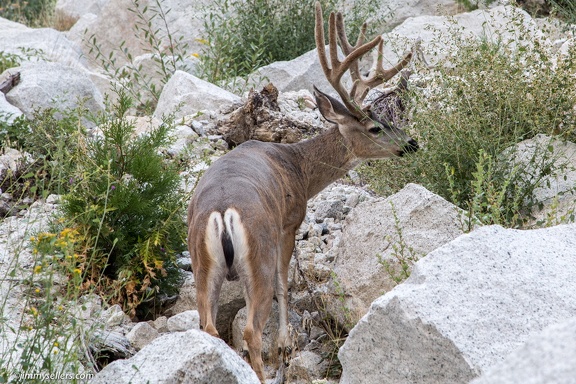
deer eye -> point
(375, 130)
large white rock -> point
(54, 85)
(31, 44)
(371, 233)
(74, 9)
(466, 306)
(303, 72)
(180, 357)
(184, 321)
(185, 94)
(115, 25)
(547, 358)
(439, 34)
(393, 12)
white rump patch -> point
(213, 240)
(237, 233)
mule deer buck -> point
(247, 207)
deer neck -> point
(325, 158)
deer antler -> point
(334, 72)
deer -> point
(248, 205)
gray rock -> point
(180, 357)
(53, 85)
(437, 33)
(8, 112)
(184, 321)
(35, 44)
(114, 316)
(305, 367)
(300, 73)
(185, 94)
(161, 324)
(115, 24)
(548, 357)
(466, 306)
(328, 209)
(141, 335)
(184, 263)
(371, 236)
(393, 12)
(72, 10)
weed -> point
(403, 256)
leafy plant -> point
(471, 5)
(241, 36)
(490, 97)
(124, 201)
(403, 255)
(32, 12)
(48, 139)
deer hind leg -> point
(210, 269)
(259, 304)
(208, 291)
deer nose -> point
(411, 147)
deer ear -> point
(332, 109)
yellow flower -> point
(77, 270)
(196, 55)
(34, 311)
(37, 269)
(202, 41)
(56, 344)
(32, 238)
(37, 290)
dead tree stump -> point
(260, 119)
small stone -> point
(161, 324)
(184, 263)
(184, 321)
(352, 200)
(114, 316)
(328, 208)
(141, 335)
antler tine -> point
(337, 68)
(380, 74)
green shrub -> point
(124, 201)
(48, 137)
(242, 36)
(34, 13)
(491, 97)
